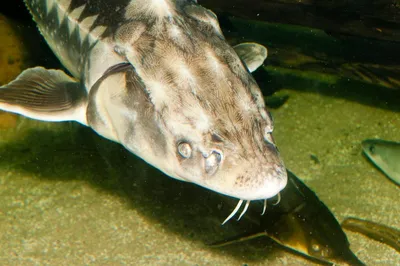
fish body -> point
(303, 224)
(158, 77)
(385, 155)
(378, 232)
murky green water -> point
(70, 197)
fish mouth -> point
(269, 191)
(261, 187)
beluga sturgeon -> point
(158, 77)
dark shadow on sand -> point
(77, 153)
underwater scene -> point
(73, 193)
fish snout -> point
(259, 183)
(266, 183)
(264, 175)
(247, 180)
(245, 176)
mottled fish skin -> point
(379, 232)
(385, 155)
(162, 81)
(81, 31)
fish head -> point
(301, 222)
(385, 155)
(372, 148)
(199, 114)
(220, 137)
(330, 250)
(211, 148)
(311, 231)
(213, 129)
(379, 152)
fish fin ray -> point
(252, 54)
(45, 94)
(237, 239)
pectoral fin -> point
(252, 54)
(45, 94)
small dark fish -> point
(303, 224)
(385, 155)
(382, 233)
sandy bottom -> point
(69, 197)
(63, 204)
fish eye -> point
(184, 150)
(372, 149)
(316, 247)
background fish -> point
(302, 223)
(385, 155)
(378, 232)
